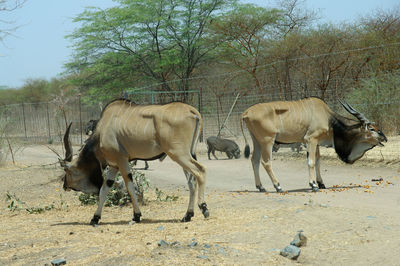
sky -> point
(39, 48)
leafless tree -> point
(8, 27)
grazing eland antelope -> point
(127, 131)
(312, 122)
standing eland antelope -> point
(312, 122)
(127, 131)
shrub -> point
(118, 196)
(161, 196)
(15, 204)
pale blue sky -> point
(39, 48)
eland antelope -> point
(126, 132)
(312, 122)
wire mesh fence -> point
(46, 122)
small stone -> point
(323, 205)
(163, 243)
(160, 228)
(193, 244)
(290, 252)
(299, 240)
(58, 262)
(204, 257)
(221, 251)
(176, 244)
(264, 217)
(207, 246)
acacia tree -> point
(159, 40)
(242, 32)
(252, 38)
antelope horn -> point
(354, 112)
(67, 145)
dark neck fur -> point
(344, 135)
(88, 162)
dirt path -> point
(355, 221)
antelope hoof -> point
(278, 188)
(188, 216)
(95, 220)
(204, 210)
(261, 188)
(314, 187)
(321, 185)
(136, 217)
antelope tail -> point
(196, 135)
(247, 147)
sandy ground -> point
(354, 222)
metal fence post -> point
(80, 117)
(199, 102)
(23, 115)
(48, 120)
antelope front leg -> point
(320, 182)
(105, 188)
(312, 147)
(128, 179)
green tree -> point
(252, 41)
(243, 33)
(144, 40)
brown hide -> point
(146, 131)
(312, 122)
(127, 131)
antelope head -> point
(369, 131)
(82, 173)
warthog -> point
(224, 145)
